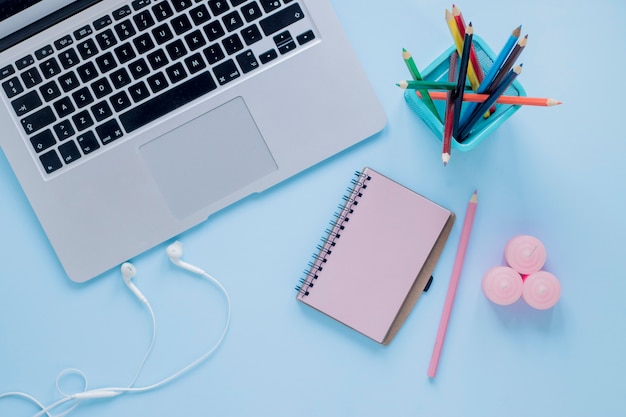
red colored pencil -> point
(460, 21)
(449, 113)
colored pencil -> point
(458, 41)
(461, 76)
(513, 100)
(484, 106)
(431, 85)
(460, 22)
(410, 63)
(493, 71)
(508, 64)
(454, 282)
(449, 116)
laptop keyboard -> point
(125, 70)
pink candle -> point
(541, 290)
(525, 254)
(502, 285)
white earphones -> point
(128, 272)
(175, 252)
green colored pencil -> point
(431, 85)
(408, 60)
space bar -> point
(168, 101)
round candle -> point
(502, 285)
(525, 254)
(541, 290)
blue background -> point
(555, 173)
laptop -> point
(129, 122)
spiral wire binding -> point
(327, 244)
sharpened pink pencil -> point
(454, 282)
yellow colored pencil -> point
(458, 42)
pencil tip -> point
(445, 157)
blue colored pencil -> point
(484, 106)
(493, 71)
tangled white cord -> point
(72, 400)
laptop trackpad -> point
(208, 158)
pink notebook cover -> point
(378, 256)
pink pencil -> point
(454, 282)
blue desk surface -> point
(555, 173)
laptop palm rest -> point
(208, 158)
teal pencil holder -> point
(438, 71)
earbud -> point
(175, 252)
(128, 272)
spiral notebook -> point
(377, 256)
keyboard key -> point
(125, 53)
(38, 120)
(168, 101)
(232, 21)
(82, 32)
(103, 22)
(43, 53)
(87, 49)
(251, 35)
(124, 29)
(226, 72)
(88, 142)
(236, 3)
(281, 19)
(214, 53)
(307, 36)
(139, 68)
(247, 61)
(195, 40)
(63, 42)
(64, 107)
(26, 103)
(106, 39)
(50, 68)
(50, 91)
(139, 91)
(121, 13)
(251, 12)
(181, 5)
(162, 11)
(218, 6)
(199, 15)
(120, 101)
(106, 62)
(82, 97)
(232, 44)
(12, 87)
(162, 34)
(6, 71)
(143, 20)
(195, 63)
(181, 24)
(120, 78)
(143, 43)
(176, 50)
(51, 161)
(63, 130)
(101, 111)
(43, 140)
(69, 152)
(69, 58)
(214, 30)
(31, 77)
(157, 82)
(24, 62)
(270, 5)
(158, 59)
(87, 72)
(109, 131)
(101, 88)
(176, 73)
(268, 56)
(82, 120)
(138, 4)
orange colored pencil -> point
(514, 100)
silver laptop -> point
(129, 122)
